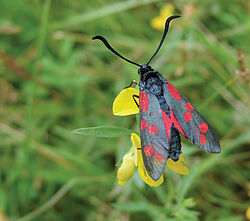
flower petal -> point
(178, 166)
(136, 144)
(124, 103)
(143, 173)
(136, 140)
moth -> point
(165, 114)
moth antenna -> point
(164, 35)
(105, 42)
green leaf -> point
(103, 131)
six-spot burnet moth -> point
(164, 114)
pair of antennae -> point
(105, 42)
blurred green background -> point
(54, 79)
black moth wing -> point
(196, 128)
(154, 142)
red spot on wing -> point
(189, 107)
(148, 150)
(173, 91)
(203, 127)
(176, 123)
(152, 129)
(158, 157)
(188, 116)
(143, 124)
(167, 123)
(144, 102)
(203, 140)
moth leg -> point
(133, 82)
(135, 96)
(175, 144)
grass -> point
(54, 79)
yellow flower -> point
(159, 21)
(248, 213)
(178, 166)
(167, 10)
(125, 105)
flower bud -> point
(127, 169)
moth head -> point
(144, 69)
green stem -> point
(43, 27)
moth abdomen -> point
(175, 144)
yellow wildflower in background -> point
(159, 21)
(248, 213)
(167, 10)
(124, 105)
